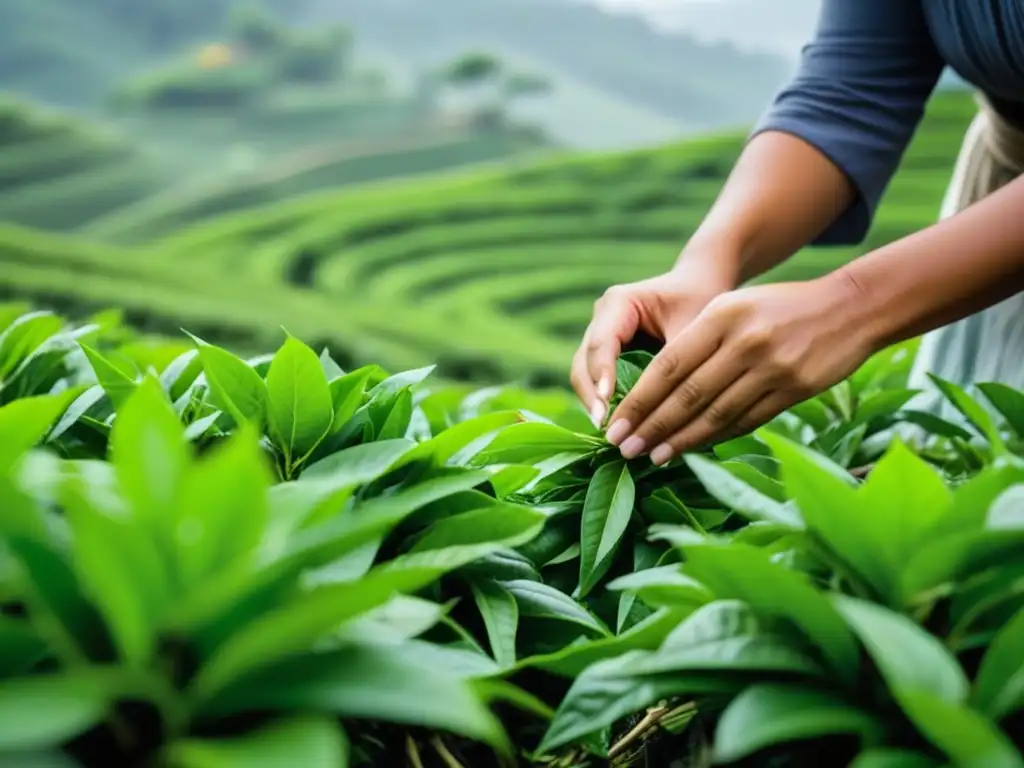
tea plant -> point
(210, 561)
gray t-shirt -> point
(863, 82)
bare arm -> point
(781, 195)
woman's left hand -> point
(751, 354)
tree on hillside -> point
(484, 79)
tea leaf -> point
(300, 409)
(40, 712)
(500, 613)
(235, 386)
(606, 514)
(766, 715)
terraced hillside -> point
(492, 273)
(57, 172)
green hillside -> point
(492, 273)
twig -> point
(413, 752)
(649, 721)
(861, 472)
(449, 759)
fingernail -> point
(597, 414)
(662, 454)
(632, 448)
(604, 387)
(618, 431)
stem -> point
(413, 752)
(449, 759)
(650, 720)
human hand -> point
(659, 306)
(748, 356)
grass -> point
(491, 273)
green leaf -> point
(385, 683)
(150, 455)
(347, 395)
(510, 524)
(223, 510)
(500, 613)
(766, 715)
(459, 443)
(814, 413)
(20, 646)
(22, 337)
(906, 498)
(893, 758)
(45, 711)
(531, 442)
(665, 585)
(907, 656)
(117, 384)
(312, 742)
(300, 408)
(541, 601)
(999, 685)
(359, 464)
(607, 510)
(122, 570)
(393, 384)
(733, 492)
(236, 388)
(831, 508)
(970, 740)
(1009, 402)
(882, 404)
(24, 422)
(972, 411)
(78, 408)
(720, 648)
(744, 573)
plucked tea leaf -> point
(766, 715)
(300, 409)
(607, 510)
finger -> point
(669, 369)
(615, 322)
(696, 396)
(760, 414)
(583, 385)
(724, 411)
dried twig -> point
(862, 472)
(413, 752)
(444, 753)
(649, 721)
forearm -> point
(943, 273)
(781, 194)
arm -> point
(822, 156)
(953, 269)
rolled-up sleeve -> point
(858, 96)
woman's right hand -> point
(659, 306)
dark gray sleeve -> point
(858, 96)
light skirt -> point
(987, 346)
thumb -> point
(615, 323)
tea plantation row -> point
(209, 562)
(490, 275)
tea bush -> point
(212, 561)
